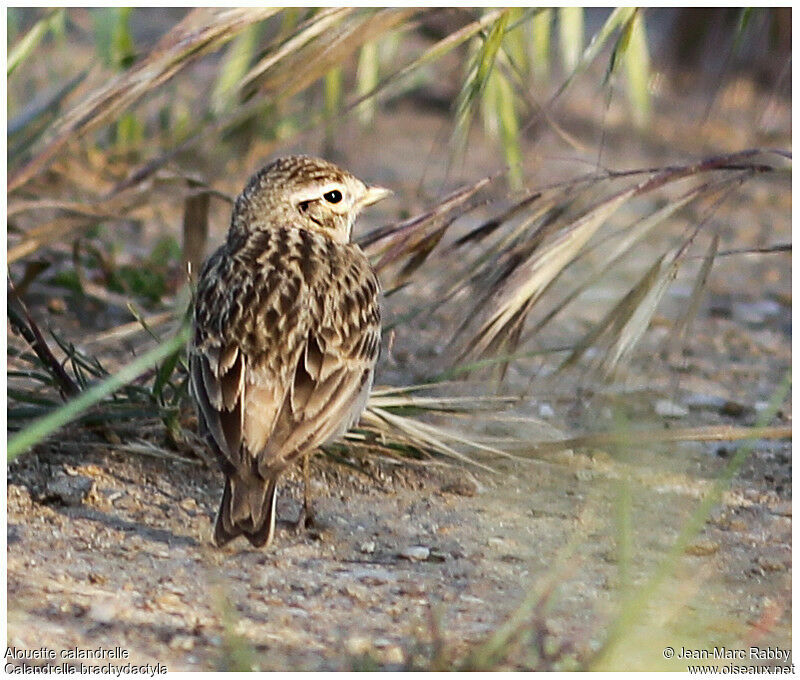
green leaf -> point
(233, 68)
(166, 251)
(50, 22)
(509, 132)
(333, 91)
(570, 23)
(619, 17)
(744, 20)
(501, 120)
(332, 96)
(113, 39)
(434, 53)
(130, 131)
(122, 49)
(367, 76)
(636, 60)
(514, 41)
(164, 373)
(635, 607)
(480, 69)
(540, 43)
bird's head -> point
(305, 192)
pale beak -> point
(373, 195)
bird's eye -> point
(333, 196)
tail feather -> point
(247, 507)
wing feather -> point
(231, 379)
(210, 381)
(261, 405)
(296, 362)
(332, 381)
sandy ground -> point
(106, 550)
(110, 550)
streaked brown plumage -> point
(286, 333)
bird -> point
(286, 328)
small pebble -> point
(357, 645)
(545, 410)
(438, 556)
(182, 642)
(702, 547)
(394, 654)
(756, 313)
(57, 306)
(415, 553)
(733, 409)
(114, 495)
(669, 409)
(103, 611)
(367, 547)
(461, 487)
(68, 490)
(768, 563)
(188, 504)
(783, 509)
(471, 598)
(704, 401)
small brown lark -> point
(286, 333)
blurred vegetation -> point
(121, 121)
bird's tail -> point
(247, 507)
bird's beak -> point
(373, 195)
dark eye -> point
(333, 196)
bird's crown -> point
(304, 192)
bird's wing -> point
(282, 362)
(333, 374)
(249, 324)
(217, 375)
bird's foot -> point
(305, 520)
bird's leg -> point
(309, 511)
(306, 518)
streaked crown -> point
(305, 192)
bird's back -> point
(286, 335)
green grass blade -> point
(479, 73)
(234, 67)
(32, 38)
(434, 53)
(636, 61)
(570, 24)
(71, 410)
(333, 91)
(540, 44)
(367, 76)
(509, 131)
(122, 46)
(113, 39)
(619, 17)
(515, 39)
